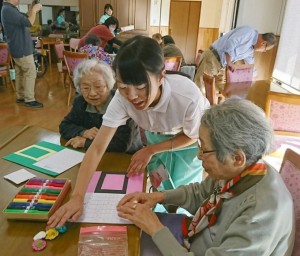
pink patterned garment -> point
(240, 75)
(285, 117)
(291, 176)
(96, 52)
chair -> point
(72, 59)
(61, 65)
(74, 44)
(284, 112)
(211, 93)
(189, 70)
(198, 57)
(243, 74)
(5, 61)
(173, 63)
(46, 43)
(290, 173)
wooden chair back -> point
(61, 65)
(211, 93)
(290, 173)
(283, 109)
(173, 63)
(72, 59)
(244, 74)
(198, 57)
(46, 43)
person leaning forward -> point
(20, 45)
(237, 44)
(167, 107)
(242, 208)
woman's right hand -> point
(72, 210)
(90, 133)
(149, 199)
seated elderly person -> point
(94, 81)
(242, 208)
(93, 49)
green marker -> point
(35, 190)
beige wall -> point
(210, 13)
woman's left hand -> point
(76, 142)
(139, 161)
(141, 215)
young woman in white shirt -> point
(167, 107)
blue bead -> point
(62, 229)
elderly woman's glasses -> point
(87, 89)
(201, 151)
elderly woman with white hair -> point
(242, 208)
(94, 82)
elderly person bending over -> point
(94, 81)
(242, 208)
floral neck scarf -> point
(206, 215)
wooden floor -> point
(49, 90)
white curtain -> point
(287, 64)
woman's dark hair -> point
(111, 21)
(168, 40)
(136, 57)
(93, 40)
(108, 6)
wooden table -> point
(9, 133)
(16, 235)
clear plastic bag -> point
(103, 241)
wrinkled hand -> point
(76, 142)
(149, 199)
(71, 210)
(141, 215)
(139, 161)
(91, 133)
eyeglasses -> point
(87, 89)
(201, 151)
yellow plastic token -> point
(51, 233)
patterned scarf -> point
(206, 215)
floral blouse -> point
(96, 52)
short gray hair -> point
(270, 38)
(86, 67)
(238, 125)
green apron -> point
(182, 164)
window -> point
(287, 64)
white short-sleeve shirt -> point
(179, 109)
